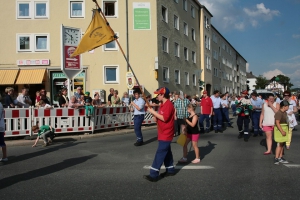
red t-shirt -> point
(166, 128)
(206, 104)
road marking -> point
(184, 167)
(292, 165)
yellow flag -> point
(98, 33)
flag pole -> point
(137, 81)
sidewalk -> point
(64, 137)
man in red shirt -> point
(165, 126)
(206, 112)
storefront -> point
(59, 81)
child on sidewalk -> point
(45, 132)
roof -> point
(250, 75)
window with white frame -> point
(187, 78)
(220, 51)
(193, 34)
(165, 74)
(194, 80)
(111, 46)
(77, 9)
(206, 42)
(176, 22)
(33, 43)
(193, 56)
(193, 11)
(208, 63)
(177, 76)
(165, 44)
(206, 22)
(185, 28)
(164, 12)
(111, 74)
(32, 9)
(176, 49)
(185, 53)
(184, 4)
(110, 8)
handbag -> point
(278, 137)
(181, 139)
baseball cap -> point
(87, 93)
(162, 90)
(285, 103)
(204, 92)
(245, 92)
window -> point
(193, 11)
(206, 22)
(193, 56)
(184, 5)
(33, 42)
(176, 49)
(193, 34)
(185, 28)
(220, 51)
(216, 72)
(186, 53)
(29, 9)
(177, 77)
(76, 9)
(194, 80)
(112, 46)
(165, 74)
(165, 44)
(176, 22)
(164, 12)
(208, 64)
(111, 74)
(187, 78)
(205, 40)
(110, 8)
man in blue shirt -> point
(216, 100)
(257, 106)
(139, 114)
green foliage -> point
(285, 81)
(261, 82)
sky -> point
(265, 32)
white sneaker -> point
(3, 159)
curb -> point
(59, 138)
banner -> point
(141, 16)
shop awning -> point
(8, 77)
(31, 76)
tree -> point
(261, 82)
(285, 81)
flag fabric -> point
(97, 34)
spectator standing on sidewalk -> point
(216, 100)
(206, 112)
(225, 110)
(138, 108)
(9, 103)
(165, 128)
(2, 130)
(23, 99)
(111, 93)
(63, 99)
(44, 97)
(233, 105)
(257, 107)
(180, 106)
(78, 93)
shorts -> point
(268, 128)
(193, 137)
(2, 143)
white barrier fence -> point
(20, 120)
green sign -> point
(141, 16)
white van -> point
(264, 93)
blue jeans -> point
(225, 112)
(255, 122)
(233, 107)
(201, 120)
(217, 119)
(138, 121)
(163, 155)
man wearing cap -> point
(216, 100)
(139, 114)
(206, 106)
(243, 120)
(165, 127)
(257, 106)
(180, 106)
(292, 119)
(78, 93)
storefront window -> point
(59, 81)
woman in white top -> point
(267, 120)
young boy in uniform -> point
(165, 126)
(43, 131)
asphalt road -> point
(112, 168)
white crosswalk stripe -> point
(185, 167)
(292, 165)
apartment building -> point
(167, 42)
(229, 67)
